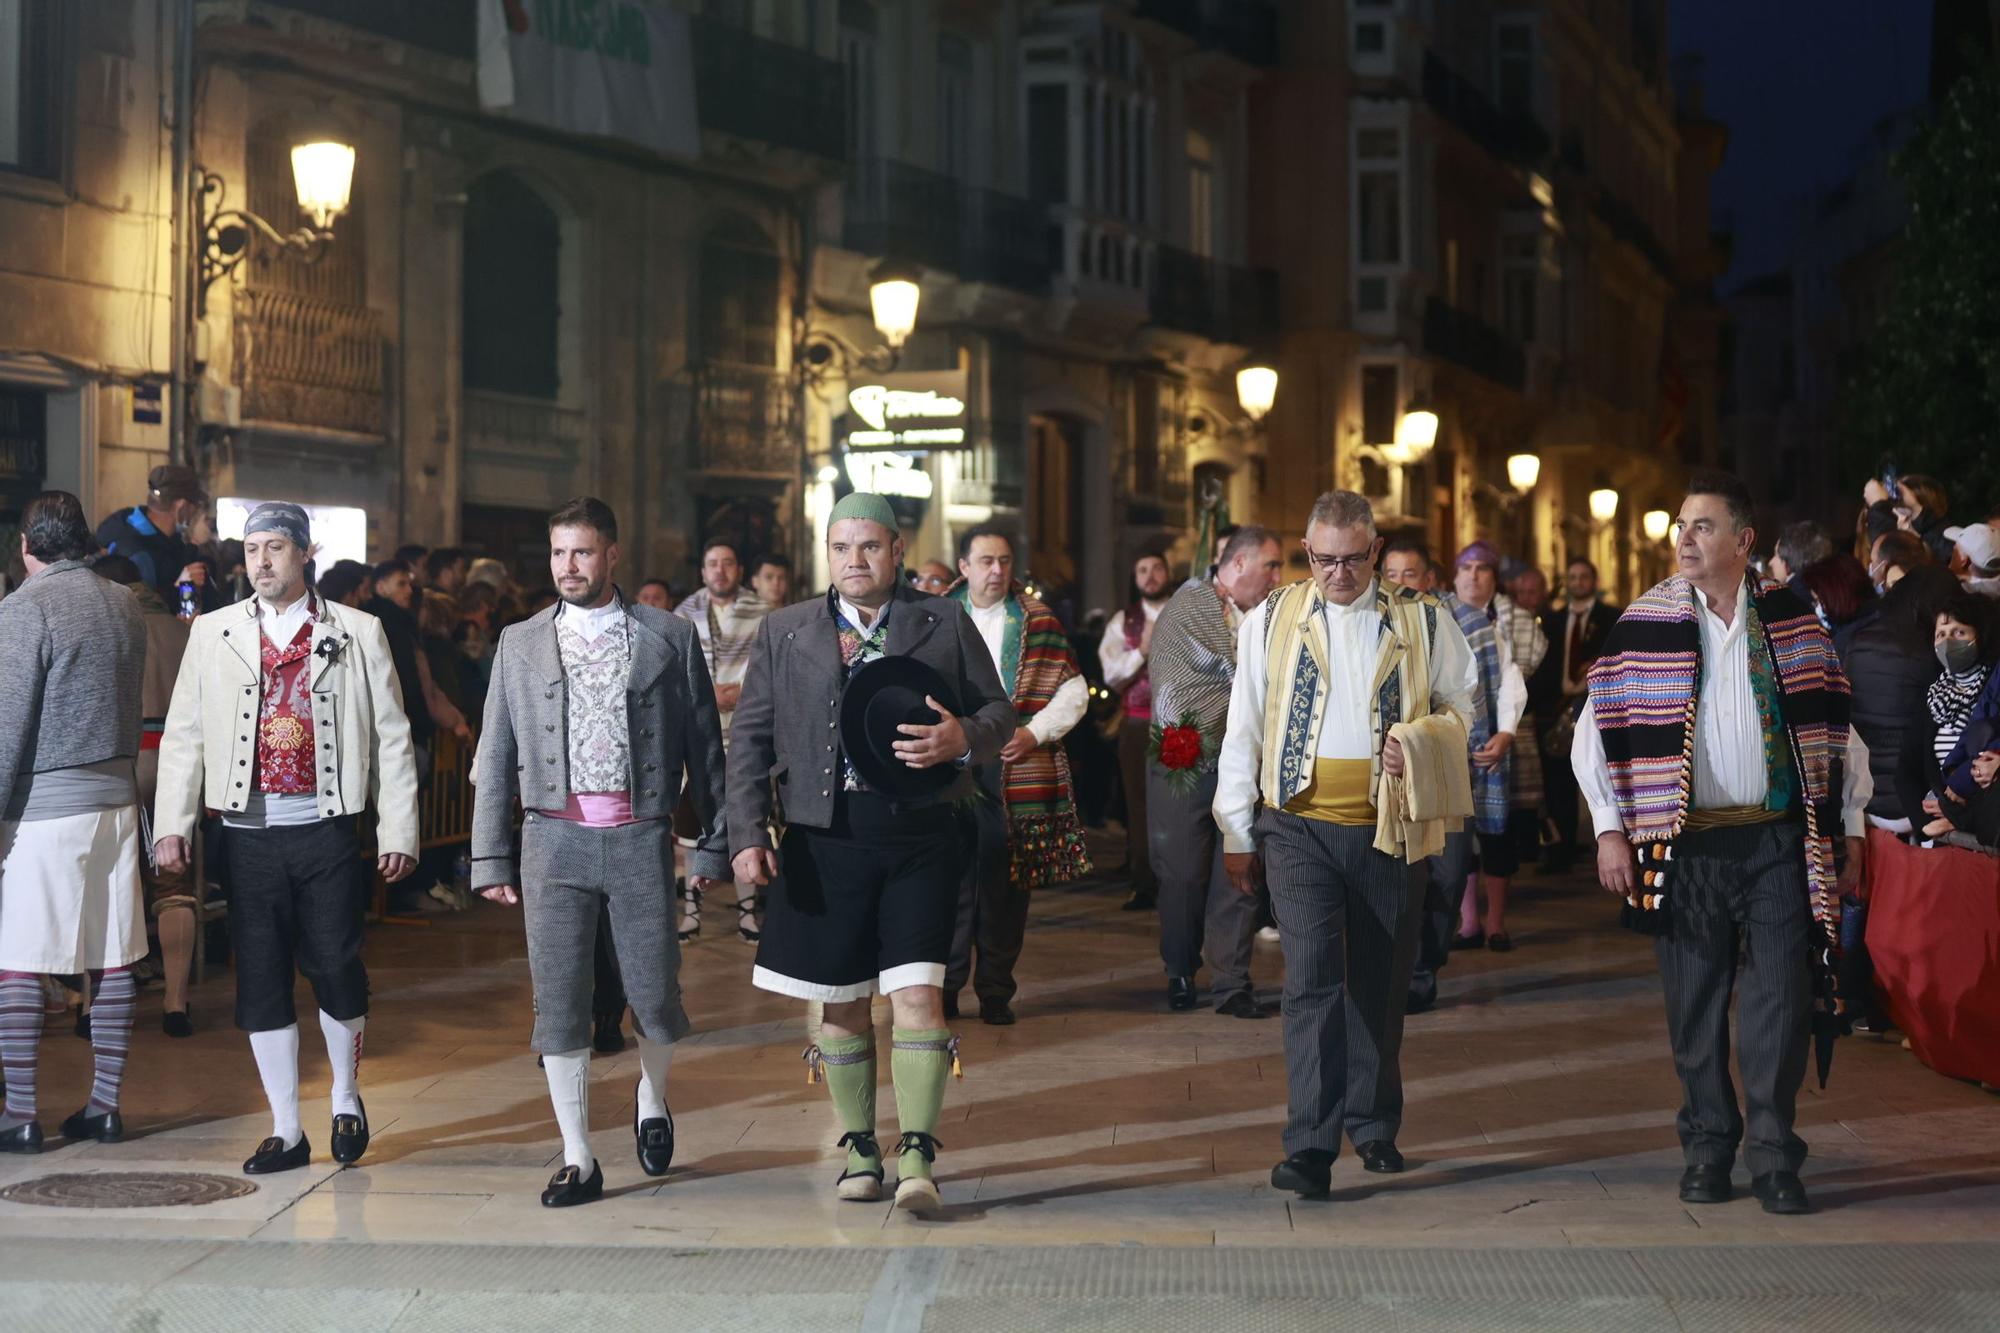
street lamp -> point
(894, 294)
(1416, 430)
(322, 178)
(1523, 471)
(1604, 504)
(1657, 521)
(1257, 390)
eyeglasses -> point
(1347, 563)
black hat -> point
(881, 696)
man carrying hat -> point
(596, 710)
(287, 719)
(1348, 692)
(870, 856)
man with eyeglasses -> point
(1325, 669)
(1192, 665)
(1715, 757)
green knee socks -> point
(848, 1064)
(919, 1063)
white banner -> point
(617, 69)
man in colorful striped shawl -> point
(1711, 756)
(1024, 828)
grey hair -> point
(1249, 538)
(1802, 544)
(1342, 509)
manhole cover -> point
(126, 1189)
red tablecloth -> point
(1934, 936)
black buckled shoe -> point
(1180, 994)
(1307, 1173)
(606, 1038)
(1141, 902)
(22, 1138)
(273, 1156)
(1381, 1157)
(105, 1126)
(654, 1138)
(570, 1187)
(996, 1013)
(1780, 1192)
(1242, 1005)
(350, 1136)
(1706, 1182)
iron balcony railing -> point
(758, 89)
(1246, 29)
(1223, 302)
(895, 209)
(1509, 135)
(1469, 341)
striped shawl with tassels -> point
(1643, 693)
(1044, 836)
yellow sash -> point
(1341, 792)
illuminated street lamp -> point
(1523, 471)
(1257, 390)
(893, 294)
(1657, 521)
(322, 178)
(1604, 504)
(1416, 430)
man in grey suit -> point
(597, 707)
(869, 892)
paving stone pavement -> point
(1105, 1166)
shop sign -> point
(884, 473)
(908, 413)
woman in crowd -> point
(1843, 597)
(1920, 509)
(1891, 662)
(1965, 646)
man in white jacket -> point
(287, 719)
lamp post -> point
(323, 179)
(1657, 522)
(1603, 504)
(894, 295)
(1416, 430)
(1257, 390)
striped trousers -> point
(1748, 881)
(1348, 917)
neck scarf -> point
(1949, 701)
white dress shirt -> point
(592, 621)
(1071, 697)
(1122, 665)
(1347, 726)
(281, 627)
(1729, 736)
(263, 809)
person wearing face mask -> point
(155, 537)
(1964, 754)
(1920, 505)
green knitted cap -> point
(861, 504)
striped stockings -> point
(110, 1034)
(20, 1034)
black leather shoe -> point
(1307, 1173)
(83, 1026)
(1421, 1001)
(655, 1139)
(105, 1126)
(1141, 902)
(1242, 1005)
(569, 1187)
(1500, 942)
(22, 1138)
(350, 1137)
(177, 1023)
(951, 1004)
(272, 1156)
(605, 1038)
(1381, 1157)
(1780, 1192)
(1468, 941)
(996, 1013)
(1180, 993)
(1706, 1182)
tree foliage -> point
(1929, 393)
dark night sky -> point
(1799, 83)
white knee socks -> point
(569, 1090)
(654, 1057)
(277, 1053)
(343, 1052)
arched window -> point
(739, 281)
(513, 281)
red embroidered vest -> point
(1139, 693)
(285, 719)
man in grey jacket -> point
(69, 819)
(596, 708)
(869, 893)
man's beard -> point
(592, 590)
(1154, 597)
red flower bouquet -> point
(1185, 751)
